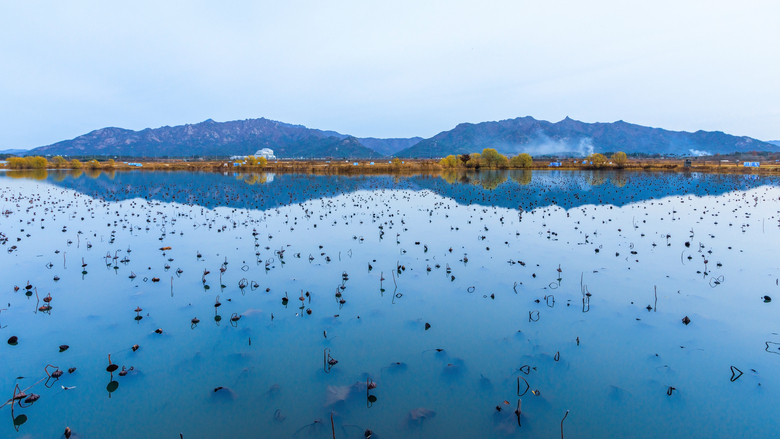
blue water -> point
(493, 318)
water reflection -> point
(522, 177)
(33, 174)
(523, 188)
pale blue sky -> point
(386, 69)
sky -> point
(386, 68)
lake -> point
(423, 306)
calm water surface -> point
(576, 282)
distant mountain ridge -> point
(13, 151)
(388, 146)
(572, 137)
(774, 142)
(511, 136)
(241, 137)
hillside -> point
(571, 137)
(212, 138)
(388, 146)
(511, 136)
(13, 151)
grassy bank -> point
(405, 167)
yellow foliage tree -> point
(490, 158)
(450, 161)
(17, 162)
(75, 164)
(38, 162)
(475, 160)
(523, 160)
(59, 162)
(597, 159)
(619, 158)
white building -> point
(267, 153)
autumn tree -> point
(475, 160)
(619, 158)
(17, 162)
(523, 160)
(37, 162)
(598, 160)
(450, 161)
(59, 161)
(491, 158)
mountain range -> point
(510, 137)
(241, 137)
(13, 151)
(572, 137)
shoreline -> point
(408, 168)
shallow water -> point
(490, 315)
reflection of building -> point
(267, 153)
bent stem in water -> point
(564, 418)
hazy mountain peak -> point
(573, 137)
(212, 138)
(508, 136)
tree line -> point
(59, 162)
(255, 161)
(490, 158)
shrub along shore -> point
(487, 159)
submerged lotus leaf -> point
(337, 394)
(418, 415)
(19, 420)
(112, 386)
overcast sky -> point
(386, 69)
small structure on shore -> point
(267, 153)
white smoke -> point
(544, 145)
(698, 153)
(586, 146)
